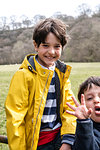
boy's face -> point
(92, 99)
(50, 51)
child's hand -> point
(80, 111)
(65, 147)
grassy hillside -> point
(80, 71)
(83, 45)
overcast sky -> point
(30, 8)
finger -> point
(90, 112)
(70, 106)
(75, 101)
(70, 112)
(83, 99)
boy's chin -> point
(51, 64)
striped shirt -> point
(49, 119)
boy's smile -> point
(50, 51)
(92, 100)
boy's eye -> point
(89, 98)
(57, 46)
(45, 45)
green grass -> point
(80, 72)
(6, 73)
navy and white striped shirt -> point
(49, 118)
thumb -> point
(90, 112)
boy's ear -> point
(35, 45)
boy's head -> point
(49, 38)
(91, 90)
(87, 84)
(44, 27)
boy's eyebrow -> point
(88, 94)
(49, 43)
(45, 43)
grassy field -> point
(80, 71)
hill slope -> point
(83, 46)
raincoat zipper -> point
(39, 111)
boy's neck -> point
(50, 68)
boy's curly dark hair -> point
(87, 84)
(56, 26)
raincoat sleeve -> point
(16, 106)
(68, 121)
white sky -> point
(30, 8)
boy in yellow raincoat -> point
(36, 101)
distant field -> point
(80, 71)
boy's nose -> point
(97, 99)
(52, 51)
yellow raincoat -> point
(26, 101)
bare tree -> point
(23, 18)
(13, 20)
(27, 22)
(84, 10)
(4, 22)
(97, 11)
(37, 18)
(18, 25)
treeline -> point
(13, 22)
(83, 45)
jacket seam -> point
(39, 111)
